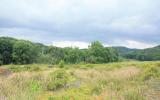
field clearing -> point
(113, 81)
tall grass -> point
(113, 81)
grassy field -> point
(114, 81)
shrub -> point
(151, 72)
(58, 79)
(61, 64)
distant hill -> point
(124, 50)
(140, 54)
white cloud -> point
(78, 44)
(137, 44)
(131, 44)
(82, 45)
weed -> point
(58, 79)
(151, 72)
(133, 95)
(61, 64)
(89, 65)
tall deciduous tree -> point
(99, 54)
(24, 52)
(5, 50)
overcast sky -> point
(131, 23)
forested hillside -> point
(148, 54)
(26, 52)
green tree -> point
(95, 52)
(72, 55)
(99, 54)
(56, 54)
(24, 52)
(6, 50)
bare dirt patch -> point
(4, 72)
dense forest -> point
(25, 52)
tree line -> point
(25, 52)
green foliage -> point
(53, 55)
(148, 54)
(1, 62)
(73, 55)
(89, 65)
(24, 52)
(81, 93)
(6, 46)
(99, 54)
(35, 85)
(97, 89)
(23, 68)
(122, 80)
(151, 72)
(44, 59)
(133, 95)
(58, 79)
(61, 64)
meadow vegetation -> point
(131, 80)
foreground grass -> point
(113, 81)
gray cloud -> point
(110, 21)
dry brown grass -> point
(119, 81)
(126, 72)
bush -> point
(151, 72)
(61, 64)
(58, 79)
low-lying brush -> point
(23, 68)
(58, 79)
(113, 81)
